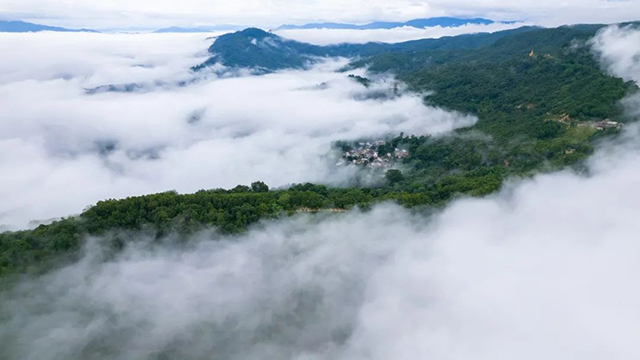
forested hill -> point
(485, 48)
(228, 211)
(264, 51)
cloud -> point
(338, 36)
(547, 268)
(64, 149)
(618, 49)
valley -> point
(536, 113)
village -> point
(374, 154)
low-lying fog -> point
(62, 149)
(546, 269)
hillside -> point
(538, 109)
(265, 51)
(259, 50)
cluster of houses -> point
(367, 154)
(329, 210)
(598, 125)
(607, 124)
(602, 125)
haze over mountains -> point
(22, 26)
(416, 23)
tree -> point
(394, 176)
(241, 189)
(259, 187)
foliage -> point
(361, 80)
(229, 211)
(533, 112)
(394, 176)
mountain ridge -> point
(417, 23)
(24, 27)
(266, 51)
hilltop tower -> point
(532, 54)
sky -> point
(271, 13)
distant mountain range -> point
(417, 23)
(22, 27)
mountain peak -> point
(255, 33)
(258, 50)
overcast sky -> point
(266, 13)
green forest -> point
(538, 95)
(536, 113)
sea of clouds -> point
(395, 35)
(62, 149)
(547, 268)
